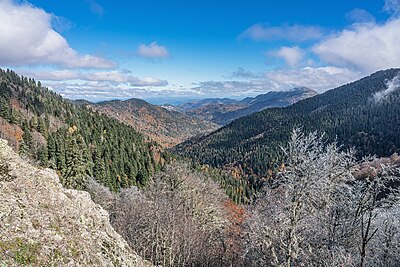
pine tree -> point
(99, 170)
(78, 167)
(43, 156)
(60, 153)
(4, 109)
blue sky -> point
(98, 49)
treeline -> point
(349, 114)
(182, 218)
(72, 139)
(323, 208)
(80, 143)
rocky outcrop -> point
(44, 224)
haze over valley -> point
(170, 133)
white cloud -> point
(358, 15)
(234, 88)
(392, 7)
(27, 38)
(319, 78)
(102, 90)
(244, 74)
(291, 55)
(296, 33)
(368, 47)
(114, 77)
(152, 50)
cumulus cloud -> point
(368, 47)
(98, 86)
(103, 90)
(152, 50)
(318, 78)
(27, 38)
(115, 77)
(296, 33)
(291, 55)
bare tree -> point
(178, 220)
(316, 213)
(323, 208)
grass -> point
(22, 252)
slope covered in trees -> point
(44, 224)
(364, 114)
(323, 208)
(223, 112)
(76, 141)
(164, 126)
(182, 218)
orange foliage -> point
(12, 133)
(15, 104)
(237, 216)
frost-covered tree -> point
(179, 219)
(317, 213)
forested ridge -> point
(349, 114)
(323, 207)
(222, 114)
(76, 141)
(168, 128)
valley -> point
(223, 111)
(199, 133)
(214, 194)
(167, 128)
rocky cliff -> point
(43, 224)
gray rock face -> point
(43, 224)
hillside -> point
(43, 224)
(166, 127)
(223, 111)
(206, 102)
(353, 113)
(73, 139)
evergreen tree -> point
(4, 109)
(77, 163)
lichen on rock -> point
(44, 224)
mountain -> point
(74, 140)
(223, 111)
(164, 126)
(44, 224)
(205, 102)
(364, 114)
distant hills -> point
(74, 140)
(224, 110)
(355, 114)
(167, 127)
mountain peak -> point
(345, 114)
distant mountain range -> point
(224, 110)
(166, 127)
(364, 114)
(74, 140)
(170, 125)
